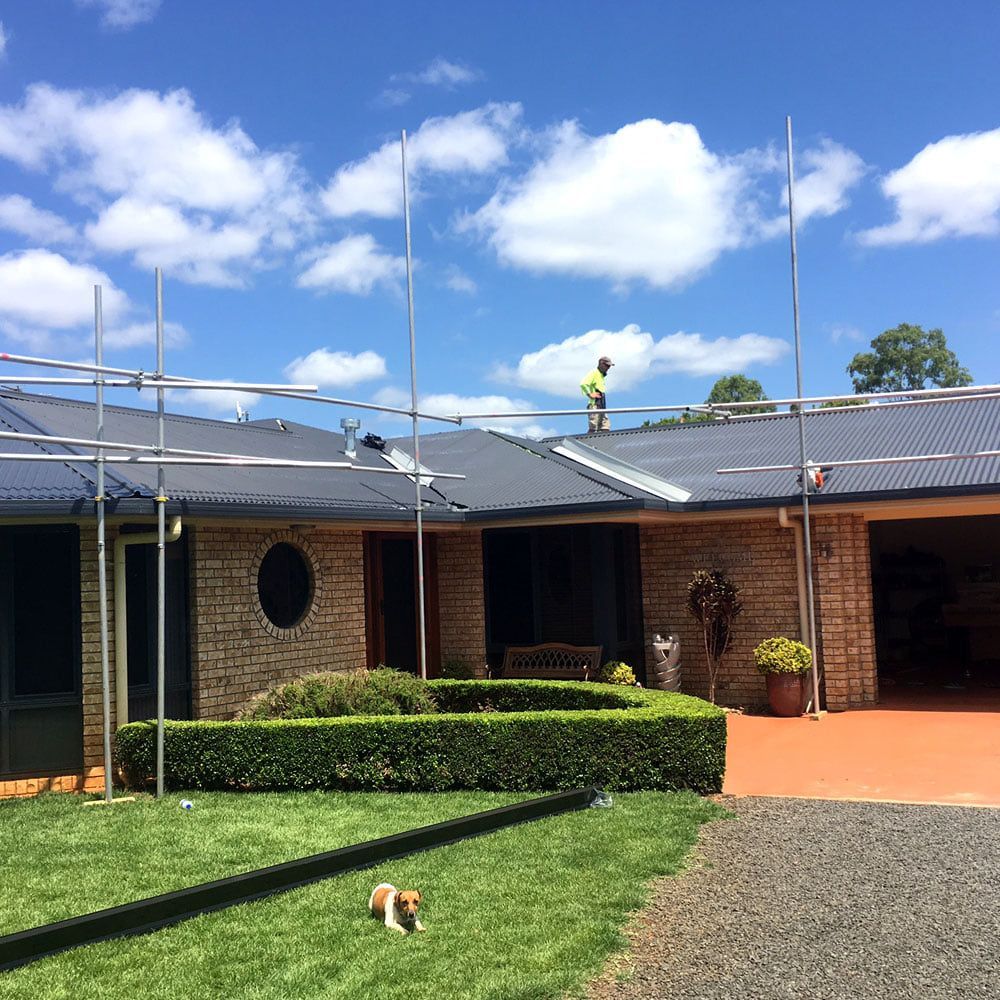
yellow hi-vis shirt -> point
(593, 382)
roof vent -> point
(350, 426)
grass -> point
(528, 912)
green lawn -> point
(527, 912)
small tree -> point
(714, 602)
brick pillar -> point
(461, 598)
(90, 651)
(845, 625)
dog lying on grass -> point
(397, 910)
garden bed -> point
(489, 735)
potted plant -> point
(785, 663)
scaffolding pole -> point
(161, 547)
(102, 577)
(803, 471)
(417, 479)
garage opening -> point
(936, 597)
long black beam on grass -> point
(173, 907)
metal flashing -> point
(622, 471)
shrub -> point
(457, 669)
(782, 656)
(616, 672)
(539, 735)
(325, 695)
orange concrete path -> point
(943, 749)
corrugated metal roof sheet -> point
(503, 474)
(689, 454)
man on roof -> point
(594, 389)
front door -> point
(391, 590)
(140, 581)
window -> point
(284, 585)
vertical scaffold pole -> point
(161, 547)
(804, 473)
(102, 578)
(416, 421)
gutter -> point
(121, 611)
(800, 571)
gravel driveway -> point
(816, 899)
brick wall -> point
(461, 598)
(235, 650)
(844, 624)
(759, 557)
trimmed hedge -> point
(491, 735)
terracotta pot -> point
(786, 694)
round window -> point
(284, 585)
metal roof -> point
(507, 476)
(504, 473)
(689, 454)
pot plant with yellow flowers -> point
(784, 663)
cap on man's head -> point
(605, 360)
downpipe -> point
(800, 572)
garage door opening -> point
(936, 597)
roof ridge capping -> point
(624, 472)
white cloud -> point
(355, 264)
(647, 203)
(450, 403)
(458, 281)
(821, 188)
(336, 368)
(157, 156)
(20, 215)
(4, 37)
(841, 331)
(469, 143)
(123, 14)
(442, 73)
(139, 334)
(638, 356)
(392, 97)
(950, 188)
(41, 289)
(160, 235)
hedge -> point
(491, 735)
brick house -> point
(272, 573)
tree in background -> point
(906, 358)
(739, 389)
(728, 389)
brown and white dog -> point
(396, 909)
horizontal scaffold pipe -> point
(139, 380)
(249, 461)
(722, 409)
(894, 460)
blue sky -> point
(587, 178)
